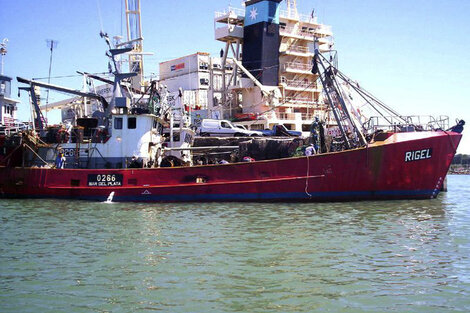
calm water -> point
(402, 256)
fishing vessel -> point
(141, 145)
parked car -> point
(240, 126)
(281, 130)
(223, 128)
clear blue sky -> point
(412, 54)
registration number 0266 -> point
(104, 180)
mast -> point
(51, 44)
(350, 128)
(3, 52)
(134, 38)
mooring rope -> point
(451, 141)
(306, 179)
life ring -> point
(62, 136)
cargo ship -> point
(141, 143)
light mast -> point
(135, 39)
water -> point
(402, 256)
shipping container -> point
(202, 100)
(191, 81)
(190, 98)
(217, 82)
(196, 99)
(198, 62)
(216, 64)
(216, 99)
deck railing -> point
(306, 34)
(286, 116)
(301, 17)
(298, 83)
(230, 10)
(297, 66)
(407, 123)
(299, 49)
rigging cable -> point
(99, 15)
(67, 76)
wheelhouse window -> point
(131, 123)
(118, 123)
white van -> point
(223, 128)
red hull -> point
(407, 165)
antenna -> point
(3, 51)
(51, 44)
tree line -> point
(461, 159)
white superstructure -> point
(8, 108)
(300, 101)
(223, 87)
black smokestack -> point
(261, 40)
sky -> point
(411, 54)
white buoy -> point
(110, 197)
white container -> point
(217, 82)
(191, 81)
(202, 99)
(198, 62)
